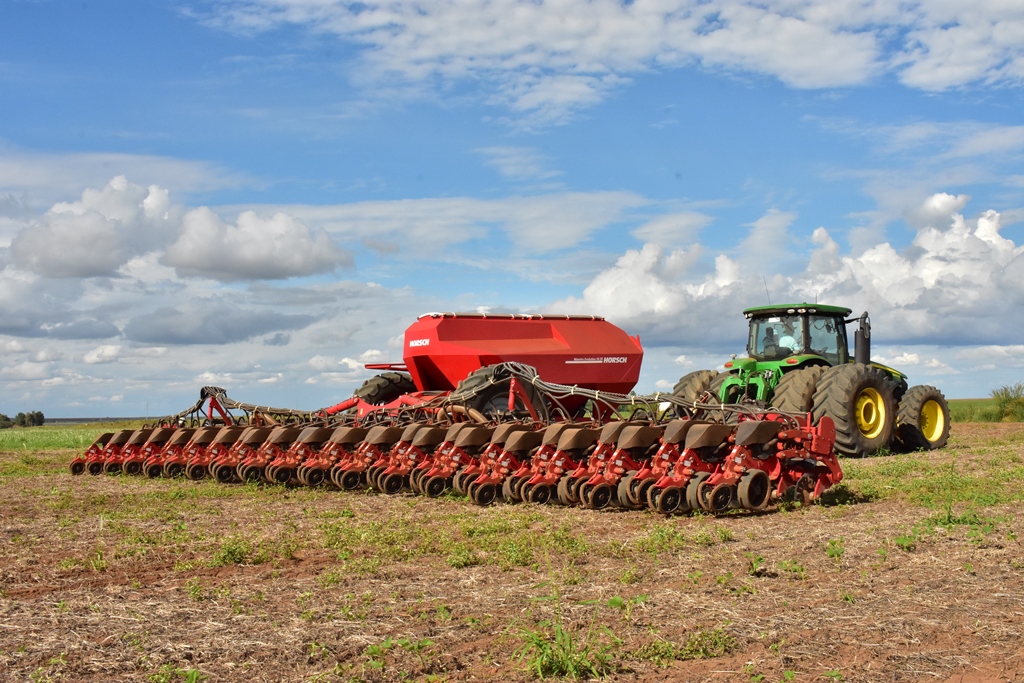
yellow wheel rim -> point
(870, 413)
(932, 421)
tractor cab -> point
(780, 332)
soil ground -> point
(123, 578)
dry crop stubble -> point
(122, 578)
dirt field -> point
(913, 571)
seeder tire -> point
(693, 490)
(754, 490)
(623, 495)
(600, 497)
(539, 494)
(111, 467)
(462, 481)
(490, 394)
(859, 400)
(385, 388)
(669, 500)
(795, 391)
(508, 490)
(719, 498)
(562, 490)
(195, 472)
(435, 486)
(154, 471)
(483, 494)
(95, 468)
(225, 474)
(249, 474)
(922, 420)
(281, 475)
(77, 467)
(392, 483)
(314, 476)
(133, 467)
(350, 480)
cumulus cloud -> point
(543, 60)
(97, 234)
(255, 248)
(951, 286)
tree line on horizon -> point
(32, 419)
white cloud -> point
(952, 286)
(424, 228)
(517, 163)
(48, 178)
(108, 353)
(254, 248)
(673, 230)
(97, 234)
(544, 60)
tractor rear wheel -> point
(487, 391)
(922, 420)
(859, 400)
(385, 388)
(692, 385)
(795, 391)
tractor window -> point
(776, 337)
(827, 337)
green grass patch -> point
(58, 437)
(974, 410)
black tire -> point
(392, 483)
(859, 400)
(754, 490)
(435, 486)
(489, 387)
(77, 467)
(484, 494)
(922, 420)
(692, 385)
(385, 388)
(693, 490)
(795, 391)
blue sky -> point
(264, 194)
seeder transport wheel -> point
(392, 483)
(599, 497)
(224, 473)
(508, 490)
(537, 493)
(483, 494)
(692, 493)
(562, 490)
(668, 501)
(435, 486)
(720, 498)
(754, 490)
(195, 472)
(351, 480)
(314, 476)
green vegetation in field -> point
(1005, 405)
(51, 438)
(1010, 402)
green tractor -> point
(799, 362)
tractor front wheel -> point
(923, 418)
(859, 400)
